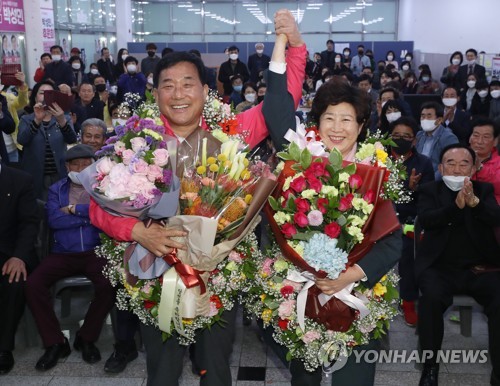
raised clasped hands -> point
(284, 24)
(466, 195)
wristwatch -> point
(475, 201)
(70, 208)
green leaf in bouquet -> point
(274, 204)
(350, 169)
(305, 236)
(290, 204)
(284, 156)
(391, 294)
(294, 151)
(305, 159)
(228, 230)
(341, 220)
(335, 159)
(297, 167)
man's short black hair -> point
(406, 121)
(448, 88)
(195, 52)
(233, 48)
(364, 77)
(166, 50)
(388, 89)
(361, 46)
(55, 47)
(45, 55)
(130, 59)
(471, 50)
(485, 121)
(104, 49)
(151, 46)
(330, 41)
(177, 57)
(438, 109)
(495, 83)
(457, 146)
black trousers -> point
(127, 324)
(164, 360)
(12, 303)
(408, 287)
(437, 287)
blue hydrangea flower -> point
(321, 253)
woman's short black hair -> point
(175, 58)
(37, 87)
(406, 121)
(459, 54)
(338, 91)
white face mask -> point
(391, 117)
(150, 80)
(390, 57)
(408, 58)
(132, 68)
(73, 176)
(337, 60)
(473, 61)
(425, 79)
(233, 56)
(56, 58)
(482, 93)
(455, 183)
(124, 56)
(448, 102)
(94, 71)
(119, 122)
(405, 67)
(260, 52)
(113, 89)
(495, 94)
(455, 62)
(76, 66)
(471, 83)
(250, 97)
(428, 124)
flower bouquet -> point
(322, 219)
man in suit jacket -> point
(454, 117)
(18, 231)
(328, 55)
(470, 67)
(457, 217)
(257, 63)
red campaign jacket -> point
(251, 122)
(490, 172)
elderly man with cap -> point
(257, 63)
(72, 253)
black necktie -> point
(471, 69)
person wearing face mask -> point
(76, 66)
(470, 67)
(132, 80)
(92, 74)
(105, 66)
(469, 92)
(427, 85)
(237, 86)
(359, 61)
(419, 171)
(390, 58)
(233, 66)
(454, 116)
(257, 63)
(405, 69)
(249, 94)
(58, 71)
(450, 73)
(391, 111)
(410, 83)
(480, 105)
(120, 57)
(72, 253)
(433, 137)
(458, 246)
(495, 100)
(409, 58)
(148, 64)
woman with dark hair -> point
(77, 69)
(342, 114)
(122, 55)
(249, 95)
(391, 111)
(410, 83)
(449, 77)
(390, 58)
(427, 85)
(45, 134)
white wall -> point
(444, 26)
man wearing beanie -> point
(73, 241)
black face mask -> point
(151, 53)
(361, 52)
(100, 87)
(381, 68)
(260, 98)
(404, 146)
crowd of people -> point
(451, 158)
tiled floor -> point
(249, 352)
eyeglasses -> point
(407, 137)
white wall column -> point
(123, 23)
